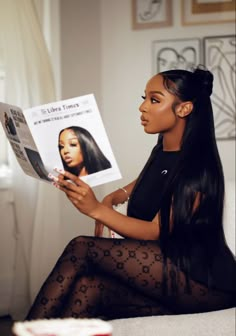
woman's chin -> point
(148, 130)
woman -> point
(80, 153)
(174, 259)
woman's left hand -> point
(78, 192)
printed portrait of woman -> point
(80, 153)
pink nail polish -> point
(61, 171)
(55, 185)
(52, 177)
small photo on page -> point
(10, 127)
(37, 164)
(80, 154)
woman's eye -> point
(60, 147)
(154, 101)
(73, 144)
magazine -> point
(67, 134)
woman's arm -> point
(120, 195)
(83, 198)
(127, 226)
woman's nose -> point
(143, 107)
(65, 150)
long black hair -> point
(198, 172)
(93, 158)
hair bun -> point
(204, 80)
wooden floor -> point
(6, 326)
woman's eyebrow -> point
(157, 92)
(74, 138)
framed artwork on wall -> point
(219, 58)
(147, 14)
(176, 54)
(196, 12)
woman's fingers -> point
(65, 174)
(68, 182)
(72, 191)
(77, 191)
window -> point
(49, 14)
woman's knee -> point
(78, 241)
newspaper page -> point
(21, 141)
(67, 134)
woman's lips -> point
(143, 121)
(68, 160)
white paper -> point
(34, 135)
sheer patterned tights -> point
(115, 278)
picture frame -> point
(176, 54)
(148, 14)
(196, 12)
(219, 58)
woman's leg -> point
(130, 263)
(105, 297)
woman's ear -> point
(184, 109)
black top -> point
(145, 202)
(146, 198)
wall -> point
(102, 54)
(80, 74)
(80, 48)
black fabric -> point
(118, 278)
(222, 269)
(145, 202)
(146, 199)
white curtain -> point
(29, 82)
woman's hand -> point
(78, 192)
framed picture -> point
(176, 54)
(148, 14)
(196, 12)
(219, 58)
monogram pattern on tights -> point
(115, 278)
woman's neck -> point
(172, 139)
(171, 146)
(83, 172)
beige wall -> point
(102, 54)
(80, 48)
